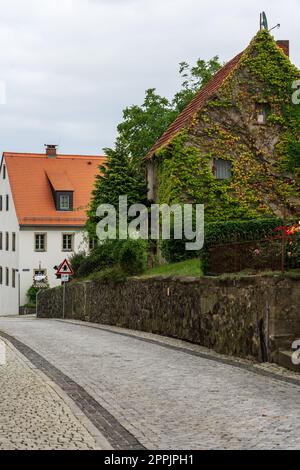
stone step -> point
(285, 360)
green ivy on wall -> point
(260, 156)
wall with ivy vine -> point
(265, 159)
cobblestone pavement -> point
(166, 398)
(32, 415)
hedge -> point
(218, 233)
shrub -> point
(239, 230)
(76, 261)
(113, 259)
(32, 293)
(232, 235)
(218, 233)
(133, 257)
(102, 256)
(174, 251)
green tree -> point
(118, 177)
(143, 125)
(194, 78)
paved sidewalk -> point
(163, 397)
(32, 415)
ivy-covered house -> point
(236, 146)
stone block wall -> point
(244, 317)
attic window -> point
(222, 170)
(64, 202)
(261, 111)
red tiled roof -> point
(29, 180)
(186, 116)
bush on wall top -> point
(217, 233)
(130, 256)
(240, 230)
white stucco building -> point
(43, 201)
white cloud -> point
(71, 66)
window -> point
(4, 172)
(13, 278)
(1, 275)
(13, 242)
(7, 241)
(68, 242)
(1, 203)
(222, 169)
(6, 276)
(262, 111)
(1, 241)
(40, 242)
(7, 203)
(64, 202)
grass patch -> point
(191, 267)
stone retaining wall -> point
(246, 317)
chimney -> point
(51, 150)
(285, 46)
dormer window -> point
(62, 191)
(64, 202)
(261, 111)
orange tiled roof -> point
(29, 179)
(186, 116)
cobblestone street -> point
(139, 393)
(32, 414)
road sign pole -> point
(64, 271)
(64, 299)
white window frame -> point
(66, 247)
(38, 248)
(62, 206)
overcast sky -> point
(71, 66)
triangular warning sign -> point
(65, 268)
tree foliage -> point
(143, 125)
(119, 176)
(194, 78)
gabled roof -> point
(29, 180)
(200, 99)
(197, 103)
